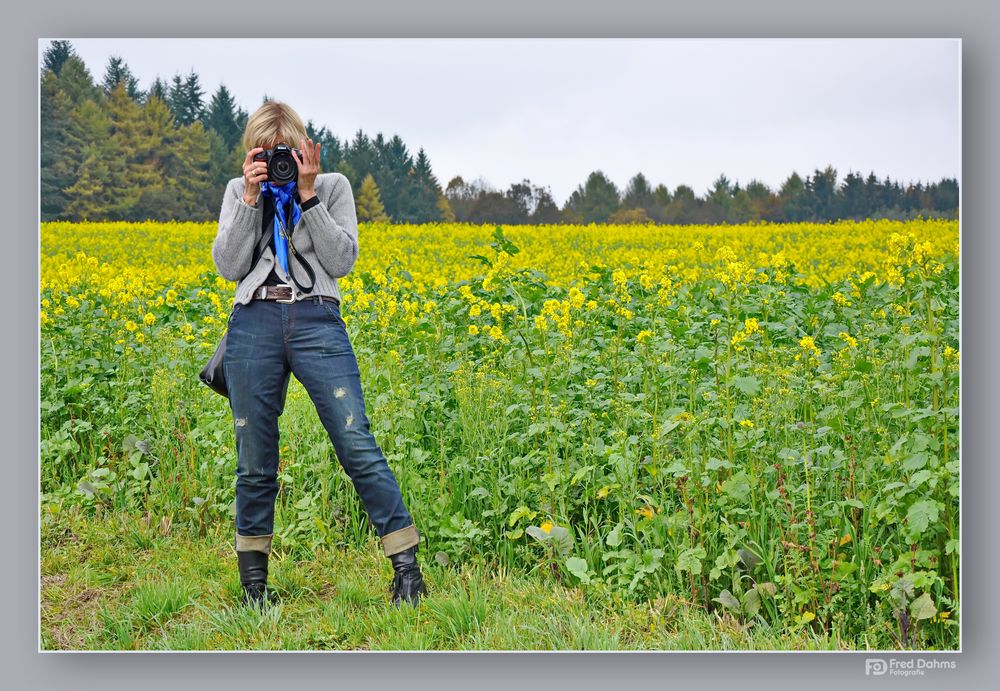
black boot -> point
(408, 582)
(253, 578)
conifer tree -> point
(362, 156)
(425, 190)
(76, 81)
(595, 200)
(794, 199)
(822, 190)
(392, 173)
(100, 188)
(190, 171)
(368, 202)
(638, 194)
(185, 99)
(55, 175)
(158, 89)
(117, 72)
(720, 200)
(219, 169)
(136, 141)
(221, 117)
(56, 55)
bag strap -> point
(258, 250)
(265, 237)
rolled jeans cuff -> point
(401, 539)
(253, 543)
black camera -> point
(281, 166)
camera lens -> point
(281, 168)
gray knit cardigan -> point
(326, 235)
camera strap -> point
(302, 260)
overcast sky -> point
(681, 111)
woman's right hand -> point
(254, 173)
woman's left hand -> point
(308, 166)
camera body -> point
(281, 166)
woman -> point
(280, 327)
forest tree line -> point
(112, 151)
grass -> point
(121, 583)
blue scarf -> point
(282, 196)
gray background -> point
(26, 22)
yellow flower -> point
(645, 511)
(643, 335)
(748, 424)
(737, 340)
(149, 319)
(131, 325)
(546, 527)
(473, 329)
(809, 343)
(848, 339)
(845, 539)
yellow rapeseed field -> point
(759, 419)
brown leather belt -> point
(285, 293)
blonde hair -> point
(270, 120)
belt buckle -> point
(283, 285)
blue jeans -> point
(268, 341)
